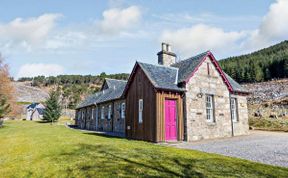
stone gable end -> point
(208, 83)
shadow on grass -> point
(106, 160)
(109, 159)
(105, 135)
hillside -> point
(73, 88)
(268, 105)
(25, 93)
(263, 65)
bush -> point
(1, 122)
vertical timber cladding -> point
(141, 88)
(160, 122)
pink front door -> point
(170, 120)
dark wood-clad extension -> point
(153, 126)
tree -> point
(52, 111)
(7, 89)
(4, 106)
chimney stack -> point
(166, 57)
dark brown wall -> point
(141, 88)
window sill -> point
(211, 123)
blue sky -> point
(89, 37)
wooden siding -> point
(153, 126)
(160, 104)
(141, 88)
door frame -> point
(176, 117)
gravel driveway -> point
(265, 147)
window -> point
(122, 110)
(82, 114)
(92, 114)
(210, 108)
(102, 112)
(109, 111)
(234, 112)
(140, 115)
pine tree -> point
(4, 106)
(52, 111)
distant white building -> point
(35, 111)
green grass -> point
(31, 149)
(269, 124)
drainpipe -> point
(232, 124)
(185, 117)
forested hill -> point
(263, 65)
(73, 88)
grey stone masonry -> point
(207, 81)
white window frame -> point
(122, 110)
(102, 112)
(109, 111)
(92, 113)
(234, 110)
(209, 101)
(140, 111)
(82, 114)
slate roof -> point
(162, 77)
(115, 90)
(35, 105)
(236, 86)
(187, 66)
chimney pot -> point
(166, 57)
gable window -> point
(208, 69)
(210, 108)
(123, 110)
(140, 114)
(102, 112)
(234, 110)
(109, 111)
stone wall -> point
(241, 127)
(86, 118)
(200, 85)
(118, 122)
(105, 124)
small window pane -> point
(140, 114)
(209, 108)
(234, 110)
(109, 112)
(102, 112)
(123, 110)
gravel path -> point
(265, 147)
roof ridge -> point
(116, 79)
(158, 65)
(206, 52)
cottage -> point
(189, 100)
(35, 111)
(104, 110)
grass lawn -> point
(31, 149)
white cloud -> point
(27, 32)
(31, 70)
(200, 38)
(116, 20)
(274, 25)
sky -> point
(51, 37)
